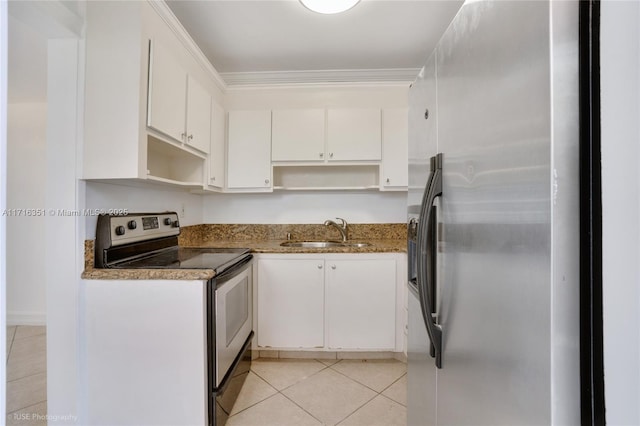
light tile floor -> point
(277, 392)
(26, 376)
(281, 392)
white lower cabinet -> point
(332, 302)
(361, 304)
(291, 303)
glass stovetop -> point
(188, 258)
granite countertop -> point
(147, 274)
(383, 238)
(92, 273)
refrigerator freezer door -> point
(423, 115)
(494, 122)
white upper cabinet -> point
(198, 123)
(217, 158)
(249, 150)
(354, 134)
(167, 93)
(395, 136)
(135, 105)
(179, 106)
(298, 135)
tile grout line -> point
(298, 405)
(13, 336)
(23, 408)
(13, 340)
(278, 391)
(26, 377)
(393, 400)
(366, 386)
(375, 391)
(393, 383)
(354, 411)
(325, 367)
(349, 378)
(9, 353)
(302, 408)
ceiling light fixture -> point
(329, 7)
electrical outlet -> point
(182, 208)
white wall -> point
(26, 173)
(306, 207)
(147, 199)
(3, 204)
(620, 117)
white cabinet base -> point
(361, 304)
(133, 330)
(290, 303)
(307, 309)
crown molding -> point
(320, 77)
(163, 10)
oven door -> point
(233, 317)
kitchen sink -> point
(348, 244)
(322, 244)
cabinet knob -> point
(388, 180)
(213, 179)
(266, 181)
(319, 266)
(333, 266)
(331, 155)
(321, 154)
(183, 135)
(190, 137)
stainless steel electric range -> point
(150, 241)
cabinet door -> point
(395, 143)
(298, 135)
(291, 303)
(198, 116)
(216, 156)
(167, 94)
(249, 149)
(361, 304)
(353, 134)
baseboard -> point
(327, 355)
(26, 318)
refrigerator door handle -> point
(426, 258)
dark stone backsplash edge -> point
(194, 235)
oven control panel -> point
(138, 227)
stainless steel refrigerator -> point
(493, 223)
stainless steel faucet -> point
(342, 227)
